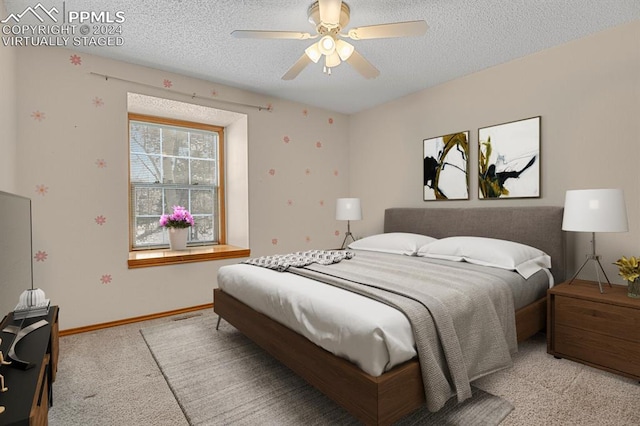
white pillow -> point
(393, 242)
(503, 254)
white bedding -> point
(372, 335)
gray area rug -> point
(222, 378)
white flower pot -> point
(178, 238)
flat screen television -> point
(16, 261)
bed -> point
(386, 398)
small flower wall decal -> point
(101, 163)
(307, 172)
(330, 120)
(38, 115)
(321, 202)
(214, 92)
(286, 139)
(336, 233)
(167, 83)
(307, 239)
(106, 279)
(336, 173)
(97, 102)
(100, 220)
(40, 256)
(75, 60)
(274, 241)
(42, 190)
(305, 112)
(318, 144)
(272, 172)
(269, 107)
(289, 202)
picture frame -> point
(446, 167)
(509, 160)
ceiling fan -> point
(330, 17)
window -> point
(175, 162)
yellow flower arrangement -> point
(629, 268)
(630, 271)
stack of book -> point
(37, 310)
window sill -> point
(146, 258)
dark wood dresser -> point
(29, 393)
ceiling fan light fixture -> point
(327, 45)
(330, 17)
(313, 52)
(344, 49)
(332, 60)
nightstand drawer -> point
(610, 320)
(597, 349)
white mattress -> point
(372, 335)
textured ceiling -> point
(464, 36)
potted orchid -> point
(177, 224)
(181, 218)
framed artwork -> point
(446, 167)
(509, 160)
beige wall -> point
(300, 159)
(298, 166)
(588, 94)
(8, 117)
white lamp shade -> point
(595, 210)
(313, 52)
(344, 49)
(332, 60)
(348, 209)
(327, 45)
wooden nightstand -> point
(600, 330)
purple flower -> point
(181, 218)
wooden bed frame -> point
(385, 399)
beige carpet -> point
(109, 377)
(550, 391)
(222, 378)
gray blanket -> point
(463, 321)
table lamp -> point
(594, 210)
(348, 209)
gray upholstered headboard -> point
(539, 227)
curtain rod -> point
(191, 95)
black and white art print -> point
(446, 167)
(509, 160)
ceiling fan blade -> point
(363, 66)
(297, 67)
(398, 29)
(330, 11)
(294, 35)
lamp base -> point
(346, 236)
(595, 258)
